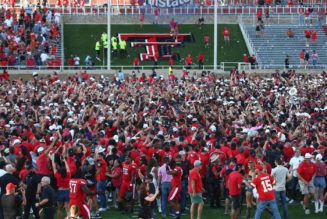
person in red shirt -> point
(156, 15)
(176, 184)
(101, 180)
(78, 192)
(314, 36)
(302, 57)
(234, 186)
(245, 58)
(307, 34)
(206, 41)
(189, 61)
(136, 63)
(195, 189)
(226, 35)
(263, 183)
(171, 61)
(141, 19)
(116, 175)
(305, 173)
(200, 60)
(62, 177)
(129, 171)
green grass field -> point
(80, 40)
(295, 212)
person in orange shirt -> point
(226, 35)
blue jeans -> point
(101, 188)
(165, 190)
(184, 194)
(261, 206)
(281, 195)
(295, 181)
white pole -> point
(215, 43)
(109, 35)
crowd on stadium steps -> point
(29, 37)
(162, 141)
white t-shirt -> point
(295, 162)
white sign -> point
(168, 3)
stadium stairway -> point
(272, 48)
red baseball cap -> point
(10, 186)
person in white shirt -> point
(281, 175)
(294, 164)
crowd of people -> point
(29, 37)
(67, 146)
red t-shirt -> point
(307, 170)
(42, 164)
(177, 178)
(76, 195)
(62, 182)
(128, 170)
(118, 180)
(235, 179)
(103, 169)
(226, 33)
(264, 185)
(195, 175)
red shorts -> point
(123, 189)
(84, 210)
(174, 193)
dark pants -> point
(49, 213)
(295, 181)
(200, 65)
(184, 194)
(214, 193)
(30, 203)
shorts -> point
(307, 189)
(197, 199)
(84, 210)
(301, 61)
(236, 202)
(226, 37)
(123, 189)
(319, 182)
(63, 196)
(174, 194)
(226, 193)
(249, 189)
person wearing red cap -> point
(306, 172)
(264, 182)
(11, 202)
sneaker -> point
(307, 211)
(103, 209)
(291, 201)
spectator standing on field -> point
(97, 50)
(305, 172)
(282, 175)
(156, 15)
(188, 61)
(226, 35)
(266, 196)
(320, 183)
(200, 60)
(235, 188)
(294, 164)
(195, 189)
(164, 179)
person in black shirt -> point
(287, 62)
(148, 194)
(48, 199)
(186, 166)
(11, 202)
(31, 182)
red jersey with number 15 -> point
(76, 195)
(176, 181)
(264, 185)
(128, 170)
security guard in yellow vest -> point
(97, 50)
(105, 47)
(122, 46)
(104, 37)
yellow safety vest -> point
(105, 44)
(114, 45)
(122, 44)
(113, 39)
(170, 70)
(97, 45)
(104, 37)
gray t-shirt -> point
(280, 173)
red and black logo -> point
(157, 45)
